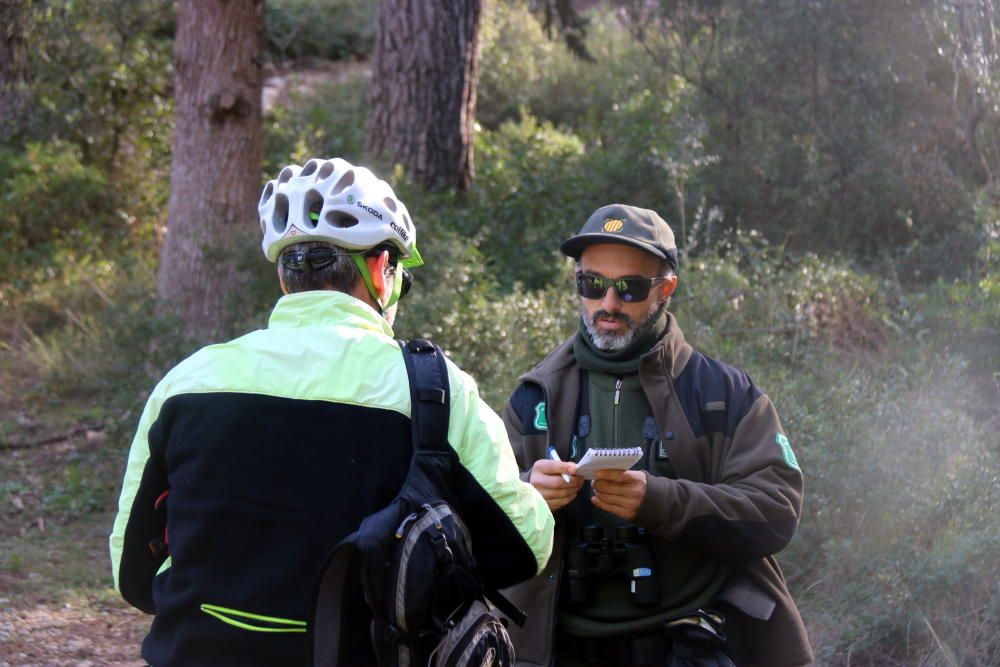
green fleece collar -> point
(326, 307)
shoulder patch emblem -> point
(541, 423)
(786, 451)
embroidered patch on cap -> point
(541, 423)
(613, 225)
(786, 451)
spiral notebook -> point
(607, 459)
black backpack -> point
(414, 558)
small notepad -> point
(607, 459)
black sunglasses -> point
(407, 283)
(629, 288)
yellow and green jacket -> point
(254, 458)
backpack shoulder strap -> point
(328, 608)
(430, 396)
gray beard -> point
(616, 342)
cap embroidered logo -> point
(613, 225)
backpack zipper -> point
(402, 526)
(434, 515)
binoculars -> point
(605, 553)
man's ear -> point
(668, 285)
(376, 268)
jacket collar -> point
(559, 378)
(668, 356)
(325, 308)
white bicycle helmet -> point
(335, 201)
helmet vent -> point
(340, 219)
(279, 221)
(390, 204)
(309, 168)
(325, 171)
(268, 191)
(346, 181)
(313, 203)
(263, 225)
(406, 221)
(285, 175)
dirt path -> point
(70, 635)
(57, 605)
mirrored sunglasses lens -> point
(633, 289)
(591, 287)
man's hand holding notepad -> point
(607, 459)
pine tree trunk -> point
(217, 154)
(13, 67)
(422, 98)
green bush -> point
(327, 120)
(529, 194)
(101, 79)
(536, 184)
(53, 207)
(963, 314)
(522, 68)
(319, 29)
(900, 521)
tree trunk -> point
(422, 98)
(13, 67)
(217, 155)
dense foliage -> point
(839, 226)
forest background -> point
(830, 169)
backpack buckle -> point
(443, 552)
(419, 345)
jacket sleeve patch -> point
(541, 422)
(786, 451)
(528, 403)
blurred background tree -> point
(217, 153)
(13, 66)
(425, 68)
(830, 168)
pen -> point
(554, 455)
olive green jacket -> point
(738, 495)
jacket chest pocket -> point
(675, 453)
(660, 451)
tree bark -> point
(425, 68)
(13, 67)
(217, 155)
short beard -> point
(616, 342)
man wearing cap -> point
(670, 562)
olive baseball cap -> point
(628, 225)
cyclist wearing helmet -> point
(254, 458)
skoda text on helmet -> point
(332, 200)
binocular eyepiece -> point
(607, 553)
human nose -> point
(610, 301)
